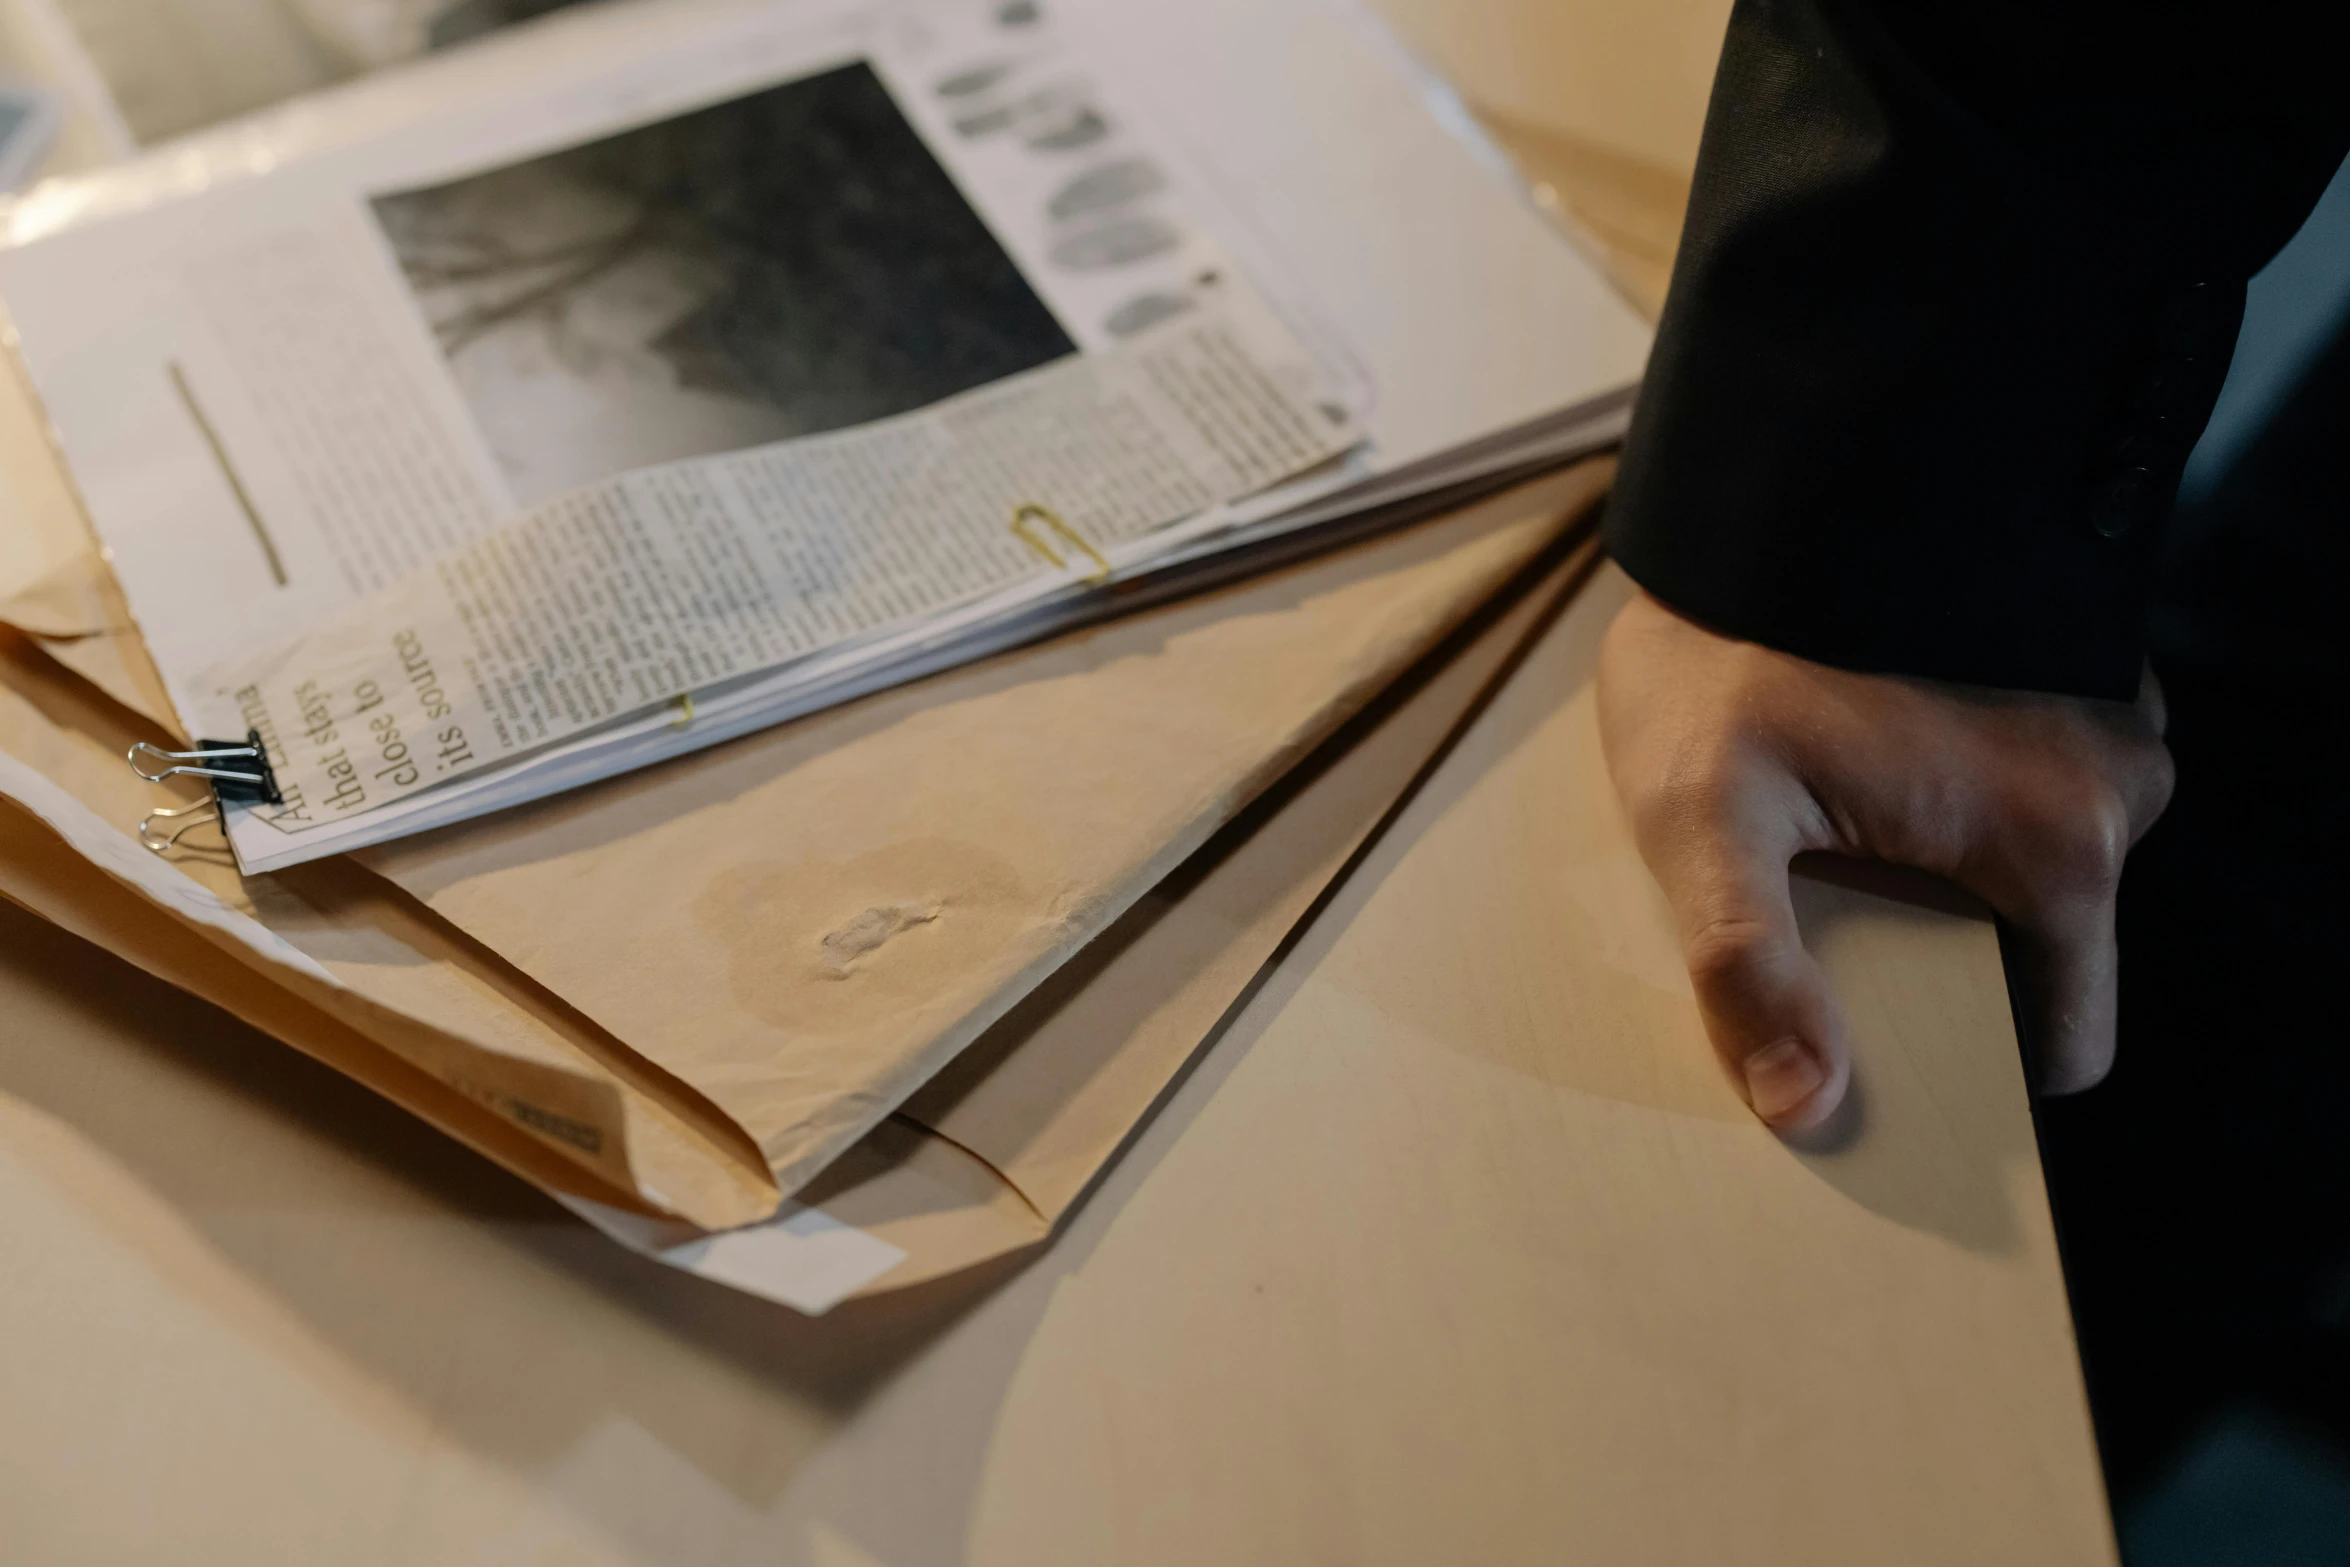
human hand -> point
(1732, 759)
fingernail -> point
(1780, 1078)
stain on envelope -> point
(829, 946)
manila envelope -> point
(430, 1012)
(806, 926)
(1042, 1103)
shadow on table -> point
(408, 1255)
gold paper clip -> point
(1028, 514)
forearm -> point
(1955, 298)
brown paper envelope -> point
(74, 609)
(116, 663)
(489, 1028)
(457, 1013)
(411, 988)
(806, 924)
(68, 604)
(1040, 1106)
(401, 978)
(1042, 1103)
(77, 616)
(40, 873)
(780, 939)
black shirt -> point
(1957, 293)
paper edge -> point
(803, 1258)
(111, 851)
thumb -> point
(1765, 1003)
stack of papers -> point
(920, 964)
(650, 374)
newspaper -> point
(641, 590)
(694, 272)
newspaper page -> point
(296, 359)
(638, 591)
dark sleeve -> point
(1956, 295)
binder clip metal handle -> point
(205, 813)
(186, 764)
(248, 781)
(253, 783)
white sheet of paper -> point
(802, 1258)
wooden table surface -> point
(1455, 1249)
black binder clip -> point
(238, 771)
